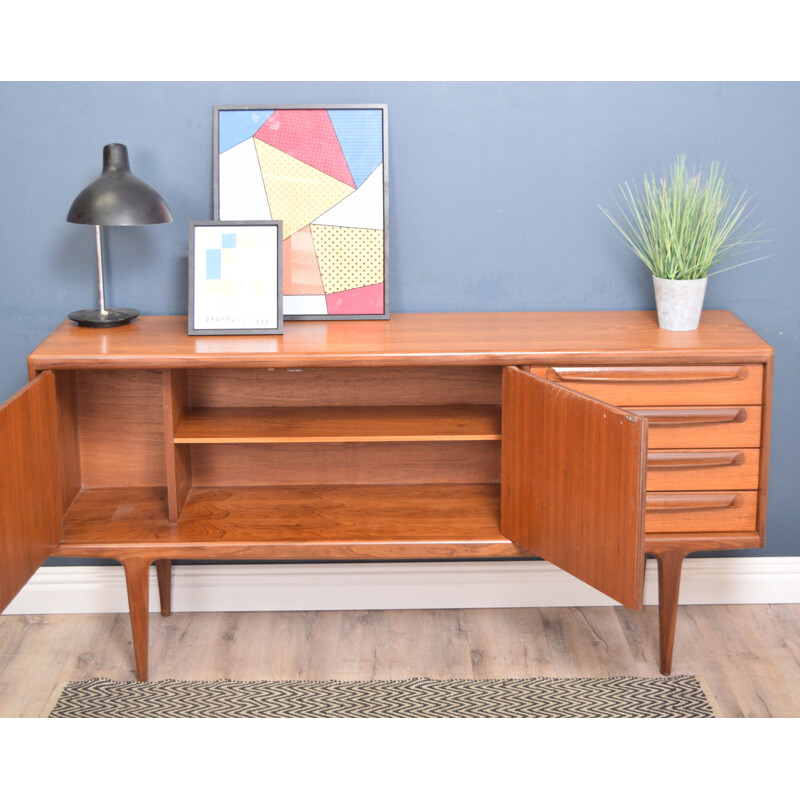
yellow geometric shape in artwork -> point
(348, 257)
(297, 193)
(221, 288)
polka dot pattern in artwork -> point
(348, 257)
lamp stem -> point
(99, 245)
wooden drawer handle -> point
(679, 460)
(673, 501)
(690, 416)
(647, 374)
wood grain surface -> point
(178, 456)
(343, 386)
(748, 656)
(352, 463)
(30, 484)
(678, 385)
(684, 470)
(700, 511)
(121, 424)
(300, 522)
(573, 483)
(616, 337)
(236, 447)
(69, 452)
(364, 423)
(710, 426)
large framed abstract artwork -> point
(235, 277)
(323, 172)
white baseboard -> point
(282, 587)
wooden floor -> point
(748, 656)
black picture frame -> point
(228, 293)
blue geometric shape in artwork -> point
(213, 265)
(236, 126)
(229, 240)
(360, 133)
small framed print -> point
(235, 277)
(323, 171)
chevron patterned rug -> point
(674, 696)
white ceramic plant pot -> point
(679, 303)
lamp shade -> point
(118, 197)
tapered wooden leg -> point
(669, 583)
(137, 578)
(164, 574)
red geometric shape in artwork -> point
(307, 135)
(364, 300)
(301, 273)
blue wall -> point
(493, 203)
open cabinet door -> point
(573, 483)
(30, 493)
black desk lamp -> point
(117, 197)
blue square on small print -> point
(213, 265)
(229, 240)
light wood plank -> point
(356, 643)
(771, 670)
(787, 624)
(745, 655)
(508, 645)
(693, 655)
(585, 643)
(428, 643)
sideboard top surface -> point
(492, 338)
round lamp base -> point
(108, 318)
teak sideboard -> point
(588, 439)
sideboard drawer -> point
(710, 426)
(702, 470)
(676, 512)
(645, 385)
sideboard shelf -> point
(293, 523)
(339, 424)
